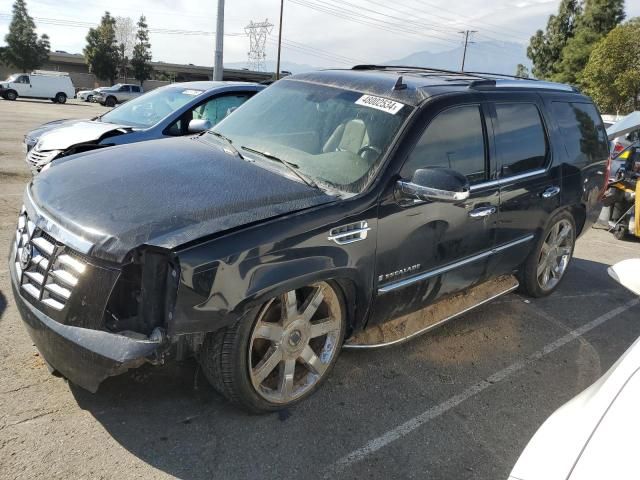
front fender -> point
(215, 293)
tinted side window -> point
(583, 133)
(135, 89)
(520, 139)
(124, 88)
(454, 139)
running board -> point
(408, 326)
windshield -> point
(336, 137)
(148, 109)
(11, 78)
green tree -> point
(101, 52)
(598, 19)
(24, 50)
(545, 47)
(522, 71)
(612, 75)
(141, 57)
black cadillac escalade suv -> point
(328, 211)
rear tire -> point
(61, 98)
(110, 102)
(280, 352)
(11, 95)
(545, 267)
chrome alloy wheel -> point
(293, 342)
(555, 255)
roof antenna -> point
(399, 84)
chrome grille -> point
(39, 159)
(47, 270)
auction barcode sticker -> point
(192, 92)
(380, 103)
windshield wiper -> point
(226, 139)
(291, 166)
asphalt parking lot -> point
(458, 403)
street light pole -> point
(218, 69)
(279, 40)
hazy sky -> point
(369, 31)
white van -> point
(56, 86)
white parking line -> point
(409, 426)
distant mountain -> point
(494, 57)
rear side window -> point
(520, 139)
(454, 139)
(135, 89)
(583, 133)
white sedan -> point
(86, 95)
(596, 434)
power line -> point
(368, 20)
(457, 15)
(452, 22)
(79, 24)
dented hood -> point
(70, 134)
(163, 193)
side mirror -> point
(199, 125)
(440, 184)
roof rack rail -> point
(478, 80)
(410, 67)
(504, 75)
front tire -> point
(11, 95)
(281, 352)
(110, 102)
(547, 264)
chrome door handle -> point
(551, 192)
(482, 212)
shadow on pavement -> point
(3, 304)
(170, 418)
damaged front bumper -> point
(84, 356)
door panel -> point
(529, 183)
(429, 248)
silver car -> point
(173, 110)
(119, 93)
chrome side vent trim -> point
(353, 232)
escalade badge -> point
(25, 256)
(399, 273)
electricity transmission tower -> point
(257, 33)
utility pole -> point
(218, 69)
(279, 40)
(466, 34)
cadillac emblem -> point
(25, 256)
